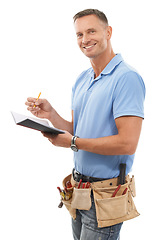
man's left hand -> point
(60, 140)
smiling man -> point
(93, 37)
(107, 114)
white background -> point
(38, 52)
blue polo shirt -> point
(118, 91)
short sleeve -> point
(129, 95)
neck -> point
(101, 61)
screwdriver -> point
(124, 192)
(68, 194)
(79, 183)
(117, 189)
(68, 184)
(61, 203)
(61, 193)
(88, 184)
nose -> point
(85, 39)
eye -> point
(92, 31)
(79, 35)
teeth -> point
(89, 46)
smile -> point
(88, 47)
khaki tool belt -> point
(109, 210)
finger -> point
(30, 104)
(34, 113)
(45, 134)
(33, 109)
(48, 135)
(40, 101)
(31, 99)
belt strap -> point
(77, 176)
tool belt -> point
(113, 202)
(78, 176)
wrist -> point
(51, 114)
(73, 144)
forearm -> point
(60, 122)
(111, 145)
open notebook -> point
(35, 123)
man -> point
(107, 114)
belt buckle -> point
(76, 175)
(76, 172)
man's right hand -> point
(40, 108)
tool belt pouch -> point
(67, 203)
(81, 199)
(113, 210)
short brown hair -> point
(96, 12)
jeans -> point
(85, 227)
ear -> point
(109, 32)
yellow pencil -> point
(38, 98)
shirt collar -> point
(110, 66)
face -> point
(92, 35)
